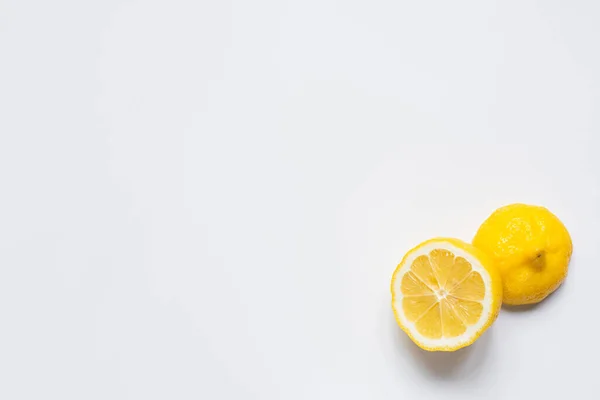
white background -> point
(206, 199)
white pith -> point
(472, 330)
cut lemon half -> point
(445, 294)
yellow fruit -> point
(445, 294)
(530, 247)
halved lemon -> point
(445, 294)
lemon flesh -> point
(445, 294)
(530, 247)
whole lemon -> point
(530, 247)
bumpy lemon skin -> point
(486, 262)
(530, 247)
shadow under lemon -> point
(464, 363)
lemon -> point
(530, 247)
(445, 294)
